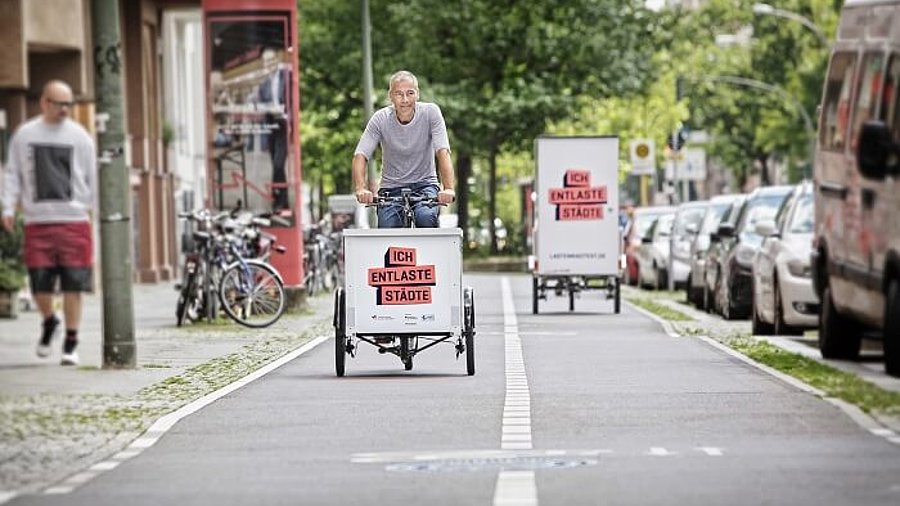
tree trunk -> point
(763, 170)
(463, 172)
(492, 198)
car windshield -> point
(643, 221)
(761, 208)
(713, 217)
(664, 225)
(688, 216)
(802, 222)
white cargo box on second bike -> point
(577, 243)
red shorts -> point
(59, 245)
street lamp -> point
(771, 88)
(766, 9)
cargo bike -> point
(576, 241)
(403, 292)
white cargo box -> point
(576, 231)
(403, 281)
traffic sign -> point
(643, 157)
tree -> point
(503, 70)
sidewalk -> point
(55, 420)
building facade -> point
(161, 60)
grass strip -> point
(661, 310)
(836, 383)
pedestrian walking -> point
(51, 173)
(411, 134)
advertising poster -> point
(251, 86)
(404, 283)
(577, 229)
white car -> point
(784, 302)
(653, 254)
(684, 230)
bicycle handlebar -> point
(381, 201)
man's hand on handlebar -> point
(365, 197)
(446, 196)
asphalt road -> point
(615, 412)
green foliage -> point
(12, 268)
(506, 72)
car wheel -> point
(782, 328)
(892, 329)
(724, 306)
(759, 327)
(839, 338)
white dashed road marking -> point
(515, 487)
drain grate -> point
(491, 464)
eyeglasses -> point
(61, 104)
(401, 93)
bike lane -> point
(672, 420)
(300, 435)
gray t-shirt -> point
(52, 170)
(408, 151)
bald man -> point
(52, 172)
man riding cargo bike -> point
(403, 292)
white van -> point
(856, 253)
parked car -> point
(717, 245)
(684, 229)
(856, 257)
(734, 290)
(653, 255)
(712, 215)
(641, 220)
(784, 302)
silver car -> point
(684, 229)
(653, 254)
(784, 302)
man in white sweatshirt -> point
(52, 172)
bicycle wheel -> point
(252, 294)
(186, 298)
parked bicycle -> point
(224, 272)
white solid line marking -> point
(105, 466)
(657, 451)
(711, 451)
(162, 425)
(58, 490)
(515, 488)
(80, 478)
(525, 420)
(6, 496)
(143, 442)
(126, 454)
(883, 432)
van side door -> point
(831, 172)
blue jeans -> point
(391, 215)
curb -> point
(872, 425)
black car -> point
(737, 246)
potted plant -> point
(12, 270)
